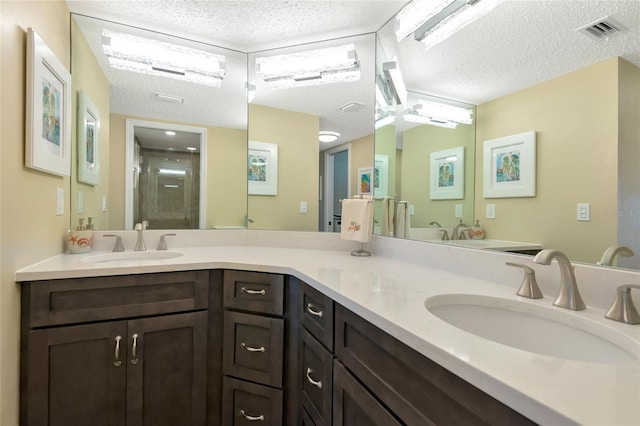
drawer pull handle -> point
(313, 312)
(252, 418)
(253, 292)
(134, 350)
(317, 384)
(116, 355)
(252, 349)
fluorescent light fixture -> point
(327, 136)
(383, 92)
(415, 14)
(414, 117)
(169, 98)
(143, 55)
(393, 76)
(312, 67)
(173, 172)
(438, 114)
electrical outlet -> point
(303, 207)
(59, 201)
(491, 211)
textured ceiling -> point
(519, 44)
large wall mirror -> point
(528, 67)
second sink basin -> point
(535, 328)
(131, 256)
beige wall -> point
(418, 145)
(29, 229)
(88, 76)
(296, 135)
(226, 173)
(576, 124)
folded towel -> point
(403, 221)
(357, 219)
(388, 217)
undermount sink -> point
(131, 256)
(534, 328)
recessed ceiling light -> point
(170, 133)
(327, 136)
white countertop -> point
(489, 244)
(390, 293)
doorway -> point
(337, 182)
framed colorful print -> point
(365, 181)
(88, 140)
(510, 166)
(262, 168)
(381, 176)
(446, 174)
(48, 110)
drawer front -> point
(245, 404)
(416, 389)
(354, 405)
(316, 375)
(78, 300)
(253, 348)
(317, 315)
(254, 291)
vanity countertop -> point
(390, 293)
(490, 244)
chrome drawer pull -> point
(134, 350)
(252, 418)
(253, 292)
(251, 349)
(317, 384)
(117, 361)
(312, 312)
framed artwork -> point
(262, 168)
(510, 166)
(446, 174)
(48, 110)
(381, 176)
(88, 140)
(365, 181)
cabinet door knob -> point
(252, 349)
(134, 350)
(315, 383)
(116, 354)
(259, 418)
(253, 292)
(314, 312)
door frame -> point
(328, 182)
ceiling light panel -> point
(139, 54)
(312, 67)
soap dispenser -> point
(477, 232)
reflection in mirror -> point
(300, 91)
(161, 83)
(581, 102)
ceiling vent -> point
(351, 107)
(602, 29)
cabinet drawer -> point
(316, 374)
(355, 406)
(254, 291)
(416, 389)
(245, 403)
(317, 315)
(78, 300)
(253, 348)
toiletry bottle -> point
(477, 232)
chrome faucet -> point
(118, 246)
(162, 244)
(459, 236)
(140, 227)
(623, 309)
(611, 252)
(569, 295)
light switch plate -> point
(303, 207)
(491, 211)
(412, 210)
(458, 210)
(59, 201)
(104, 203)
(583, 212)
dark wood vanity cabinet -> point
(128, 350)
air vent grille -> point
(351, 107)
(602, 29)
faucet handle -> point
(118, 246)
(623, 309)
(162, 245)
(529, 287)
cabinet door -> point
(167, 370)
(76, 376)
(316, 368)
(353, 405)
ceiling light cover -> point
(447, 112)
(312, 67)
(415, 14)
(395, 81)
(138, 54)
(327, 136)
